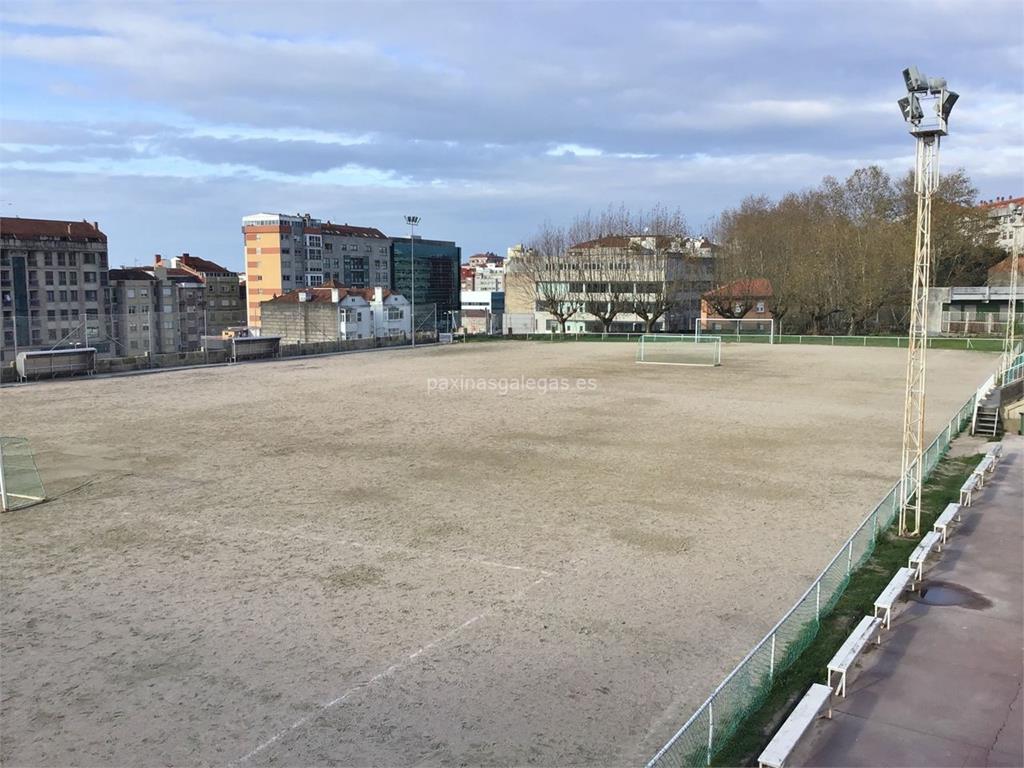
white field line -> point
(390, 671)
(296, 534)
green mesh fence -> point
(20, 485)
(743, 691)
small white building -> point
(482, 311)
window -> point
(74, 295)
(169, 324)
(48, 278)
(144, 293)
(62, 278)
(63, 295)
(90, 295)
(62, 260)
(51, 314)
(90, 277)
(168, 309)
(131, 293)
(72, 259)
(51, 334)
(167, 291)
(74, 314)
(92, 312)
(47, 259)
(49, 295)
(89, 258)
(63, 314)
(760, 306)
(73, 278)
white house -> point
(333, 312)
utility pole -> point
(928, 132)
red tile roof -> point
(612, 241)
(758, 287)
(1001, 203)
(344, 229)
(25, 229)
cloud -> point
(506, 114)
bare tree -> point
(551, 270)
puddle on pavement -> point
(946, 593)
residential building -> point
(183, 305)
(482, 311)
(488, 272)
(640, 282)
(746, 300)
(1000, 213)
(225, 308)
(335, 312)
(466, 276)
(286, 252)
(437, 275)
(135, 314)
(53, 285)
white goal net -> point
(669, 349)
(741, 329)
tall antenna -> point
(927, 129)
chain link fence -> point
(745, 688)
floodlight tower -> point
(922, 93)
(412, 221)
(1010, 340)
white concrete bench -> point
(920, 554)
(949, 514)
(854, 644)
(967, 490)
(806, 712)
(983, 470)
(995, 452)
(892, 592)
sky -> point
(167, 122)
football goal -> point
(756, 329)
(670, 349)
(20, 485)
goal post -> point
(673, 349)
(20, 485)
(755, 329)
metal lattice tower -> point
(928, 130)
(926, 180)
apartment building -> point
(1001, 213)
(225, 307)
(135, 314)
(482, 312)
(335, 312)
(487, 272)
(284, 252)
(53, 285)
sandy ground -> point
(323, 561)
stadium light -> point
(928, 129)
(412, 221)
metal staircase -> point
(986, 420)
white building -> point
(334, 312)
(1000, 216)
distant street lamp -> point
(412, 221)
(927, 128)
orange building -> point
(283, 253)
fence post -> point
(817, 603)
(771, 661)
(711, 727)
(849, 558)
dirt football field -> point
(488, 554)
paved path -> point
(944, 688)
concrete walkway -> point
(944, 688)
